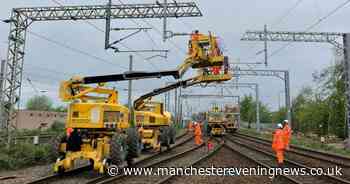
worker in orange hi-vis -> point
(69, 131)
(278, 144)
(287, 133)
(197, 134)
(195, 35)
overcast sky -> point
(46, 64)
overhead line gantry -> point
(22, 18)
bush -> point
(24, 154)
(57, 126)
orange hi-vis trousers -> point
(280, 156)
(198, 140)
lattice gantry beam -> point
(288, 36)
(265, 73)
(21, 18)
(189, 9)
(207, 95)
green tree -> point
(59, 108)
(39, 103)
(332, 91)
(248, 111)
(279, 116)
(322, 110)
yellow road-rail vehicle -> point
(155, 124)
(216, 121)
(101, 131)
(232, 118)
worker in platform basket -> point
(287, 133)
(197, 134)
(195, 36)
(278, 144)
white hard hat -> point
(279, 125)
(286, 120)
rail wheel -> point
(172, 134)
(164, 137)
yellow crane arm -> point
(201, 78)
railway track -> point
(264, 155)
(282, 179)
(308, 157)
(195, 162)
(177, 148)
(81, 172)
(225, 157)
(189, 157)
(324, 156)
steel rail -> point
(291, 163)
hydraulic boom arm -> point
(76, 87)
(139, 103)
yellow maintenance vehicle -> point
(155, 124)
(101, 125)
(232, 118)
(98, 126)
(216, 121)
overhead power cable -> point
(103, 31)
(159, 32)
(286, 14)
(312, 26)
(73, 49)
(278, 21)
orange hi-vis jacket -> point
(197, 130)
(278, 142)
(287, 134)
(195, 36)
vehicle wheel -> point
(164, 136)
(118, 149)
(172, 134)
(133, 142)
(60, 170)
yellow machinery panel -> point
(150, 119)
(216, 78)
(97, 115)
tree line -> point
(317, 109)
(43, 103)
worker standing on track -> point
(287, 133)
(197, 134)
(278, 144)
